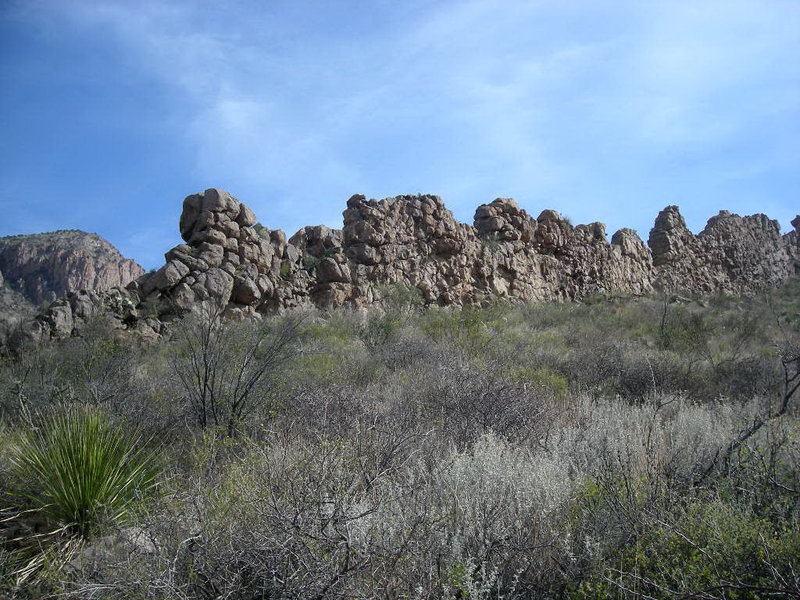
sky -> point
(112, 111)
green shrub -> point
(712, 549)
(285, 271)
(81, 469)
(541, 377)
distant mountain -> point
(46, 266)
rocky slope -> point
(47, 266)
(231, 261)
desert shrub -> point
(98, 367)
(368, 516)
(764, 473)
(535, 451)
(378, 328)
(594, 367)
(226, 368)
(540, 377)
(290, 519)
(400, 298)
(500, 506)
(470, 329)
(710, 549)
(310, 263)
(686, 331)
(641, 522)
(79, 470)
(467, 397)
(749, 376)
(396, 305)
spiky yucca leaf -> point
(80, 468)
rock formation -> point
(46, 266)
(230, 260)
(733, 254)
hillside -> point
(46, 266)
(14, 308)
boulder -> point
(245, 291)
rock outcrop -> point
(47, 266)
(231, 261)
(733, 254)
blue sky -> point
(112, 112)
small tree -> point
(225, 367)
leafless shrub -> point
(225, 367)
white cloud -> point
(560, 102)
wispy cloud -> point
(602, 110)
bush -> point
(80, 469)
(226, 368)
(628, 449)
(712, 549)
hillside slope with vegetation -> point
(14, 308)
(631, 448)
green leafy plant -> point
(81, 469)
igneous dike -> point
(229, 259)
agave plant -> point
(80, 469)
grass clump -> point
(81, 470)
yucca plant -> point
(80, 469)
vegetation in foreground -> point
(634, 448)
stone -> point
(245, 291)
(211, 236)
(194, 263)
(211, 254)
(219, 201)
(733, 254)
(59, 317)
(329, 271)
(215, 284)
(246, 217)
(83, 304)
(169, 275)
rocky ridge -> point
(46, 266)
(232, 261)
